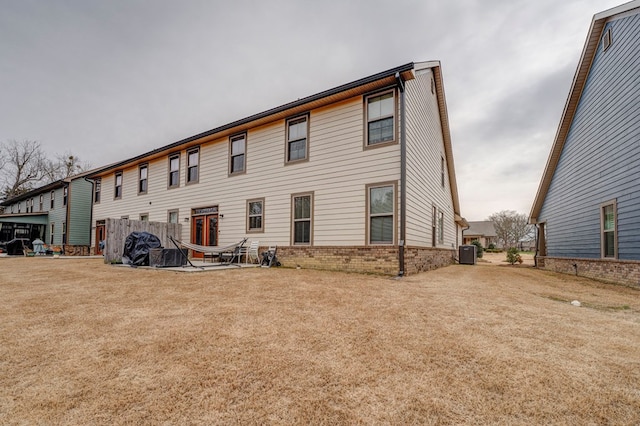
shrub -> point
(491, 246)
(513, 256)
(479, 248)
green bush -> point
(491, 246)
(513, 256)
(479, 249)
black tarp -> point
(137, 246)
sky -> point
(108, 80)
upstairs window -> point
(97, 188)
(297, 132)
(174, 171)
(380, 116)
(193, 160)
(117, 192)
(143, 172)
(65, 195)
(442, 171)
(609, 238)
(237, 150)
(52, 196)
(41, 202)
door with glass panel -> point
(204, 232)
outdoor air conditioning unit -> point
(467, 255)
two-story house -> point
(359, 177)
(587, 209)
(58, 214)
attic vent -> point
(433, 88)
(606, 40)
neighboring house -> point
(359, 177)
(587, 209)
(482, 231)
(58, 213)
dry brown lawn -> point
(86, 343)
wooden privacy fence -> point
(117, 230)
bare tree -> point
(24, 166)
(510, 227)
(64, 166)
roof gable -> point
(577, 87)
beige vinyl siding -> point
(337, 172)
(425, 149)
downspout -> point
(535, 256)
(93, 187)
(67, 217)
(403, 177)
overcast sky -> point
(107, 80)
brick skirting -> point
(421, 259)
(625, 272)
(376, 260)
(76, 250)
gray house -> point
(58, 214)
(587, 209)
(482, 231)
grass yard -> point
(86, 343)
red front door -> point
(204, 232)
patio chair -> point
(252, 253)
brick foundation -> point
(625, 272)
(421, 259)
(376, 259)
(70, 250)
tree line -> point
(25, 166)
